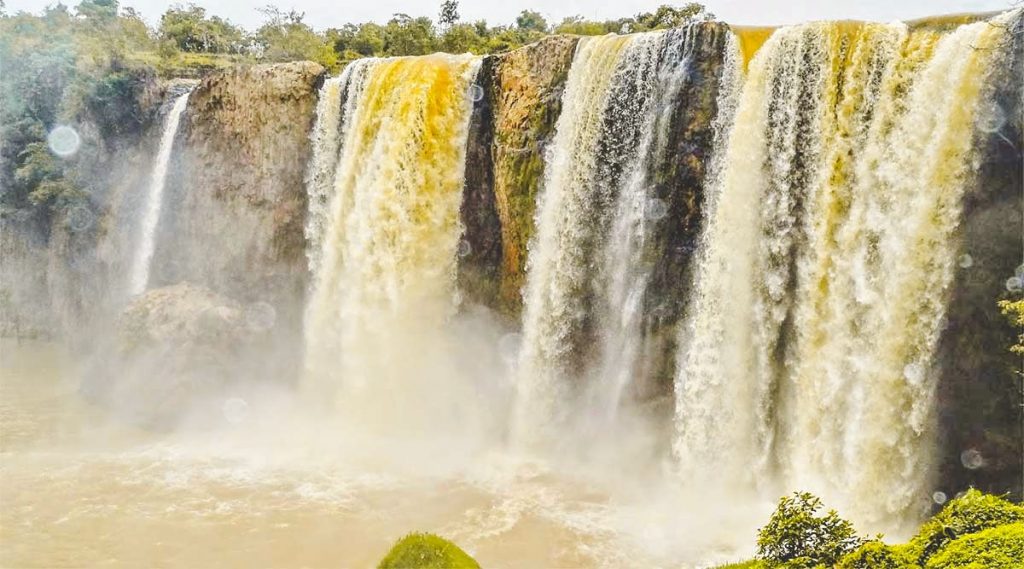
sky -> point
(323, 14)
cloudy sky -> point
(331, 13)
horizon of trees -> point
(188, 28)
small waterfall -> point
(384, 285)
(143, 256)
(825, 265)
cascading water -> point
(384, 282)
(605, 110)
(615, 192)
(143, 255)
(824, 268)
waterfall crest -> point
(826, 262)
(142, 258)
(384, 284)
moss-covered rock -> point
(426, 551)
(876, 554)
(996, 548)
(964, 515)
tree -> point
(285, 37)
(404, 35)
(191, 30)
(669, 17)
(449, 14)
(531, 21)
(795, 536)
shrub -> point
(970, 513)
(797, 537)
(426, 551)
(876, 554)
(995, 548)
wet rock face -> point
(236, 200)
(979, 404)
(511, 128)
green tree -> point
(449, 14)
(188, 27)
(285, 37)
(797, 537)
(404, 35)
(670, 17)
(531, 21)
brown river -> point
(80, 488)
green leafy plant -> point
(797, 536)
(426, 551)
(972, 512)
(875, 554)
(995, 548)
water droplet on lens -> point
(656, 209)
(939, 498)
(476, 92)
(965, 261)
(260, 316)
(992, 119)
(1020, 272)
(509, 346)
(235, 410)
(914, 373)
(465, 248)
(1015, 284)
(80, 218)
(972, 459)
(63, 141)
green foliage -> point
(285, 37)
(876, 554)
(426, 551)
(1014, 311)
(972, 512)
(530, 21)
(404, 35)
(796, 536)
(189, 29)
(752, 564)
(995, 548)
(449, 15)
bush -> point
(426, 551)
(876, 554)
(973, 512)
(796, 537)
(996, 548)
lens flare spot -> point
(972, 459)
(235, 410)
(64, 141)
(476, 92)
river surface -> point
(273, 488)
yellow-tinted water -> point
(81, 489)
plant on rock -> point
(995, 548)
(972, 512)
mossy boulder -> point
(876, 554)
(426, 551)
(970, 513)
(995, 548)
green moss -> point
(876, 554)
(752, 564)
(995, 548)
(426, 551)
(973, 512)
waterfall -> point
(143, 256)
(602, 221)
(826, 264)
(383, 287)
